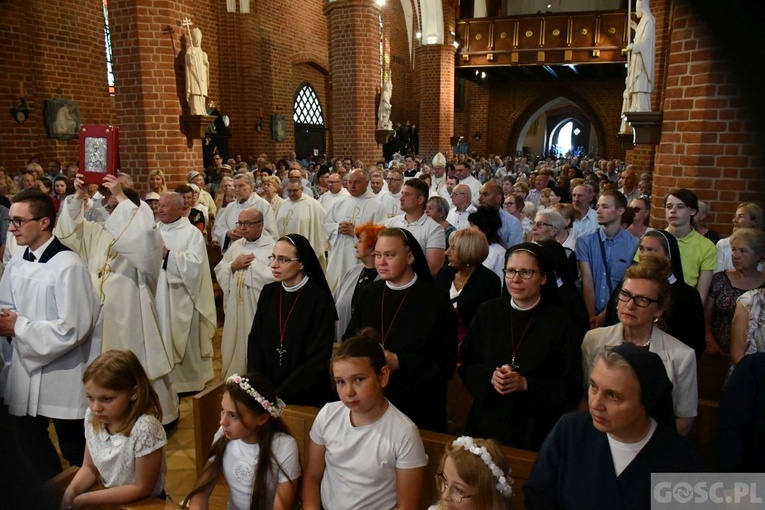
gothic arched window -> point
(308, 107)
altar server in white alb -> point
(301, 214)
(124, 256)
(343, 218)
(51, 314)
(241, 274)
(185, 301)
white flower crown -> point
(503, 482)
(274, 410)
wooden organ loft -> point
(545, 45)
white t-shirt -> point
(240, 460)
(427, 232)
(114, 456)
(624, 453)
(361, 462)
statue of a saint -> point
(383, 111)
(197, 74)
(642, 53)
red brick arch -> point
(322, 64)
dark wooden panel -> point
(556, 31)
(529, 32)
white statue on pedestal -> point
(642, 53)
(383, 111)
(197, 74)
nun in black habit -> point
(418, 327)
(604, 458)
(294, 327)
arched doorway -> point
(308, 116)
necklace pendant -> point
(281, 352)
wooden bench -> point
(711, 370)
(58, 484)
(299, 419)
(704, 431)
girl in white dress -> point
(473, 474)
(364, 454)
(252, 449)
(125, 441)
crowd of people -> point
(538, 284)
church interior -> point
(483, 77)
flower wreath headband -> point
(503, 482)
(274, 410)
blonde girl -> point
(474, 474)
(364, 453)
(252, 449)
(125, 441)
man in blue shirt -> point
(604, 255)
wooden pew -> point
(58, 484)
(299, 419)
(711, 370)
(704, 431)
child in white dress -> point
(251, 435)
(364, 453)
(125, 441)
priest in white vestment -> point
(301, 214)
(335, 191)
(124, 256)
(391, 199)
(241, 274)
(224, 231)
(342, 219)
(185, 301)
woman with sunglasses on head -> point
(643, 298)
(641, 209)
(294, 327)
(520, 360)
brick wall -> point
(403, 102)
(355, 66)
(474, 117)
(708, 141)
(436, 84)
(50, 49)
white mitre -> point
(439, 160)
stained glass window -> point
(108, 45)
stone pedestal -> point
(383, 135)
(195, 126)
(646, 126)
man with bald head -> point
(296, 172)
(185, 302)
(224, 231)
(588, 221)
(511, 232)
(629, 183)
(241, 274)
(362, 206)
(463, 206)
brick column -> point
(354, 55)
(150, 85)
(435, 64)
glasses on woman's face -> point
(540, 224)
(453, 493)
(281, 260)
(525, 274)
(641, 301)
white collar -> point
(296, 287)
(404, 286)
(516, 307)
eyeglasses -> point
(453, 193)
(641, 301)
(281, 260)
(454, 493)
(393, 179)
(637, 209)
(20, 222)
(242, 224)
(525, 274)
(540, 224)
